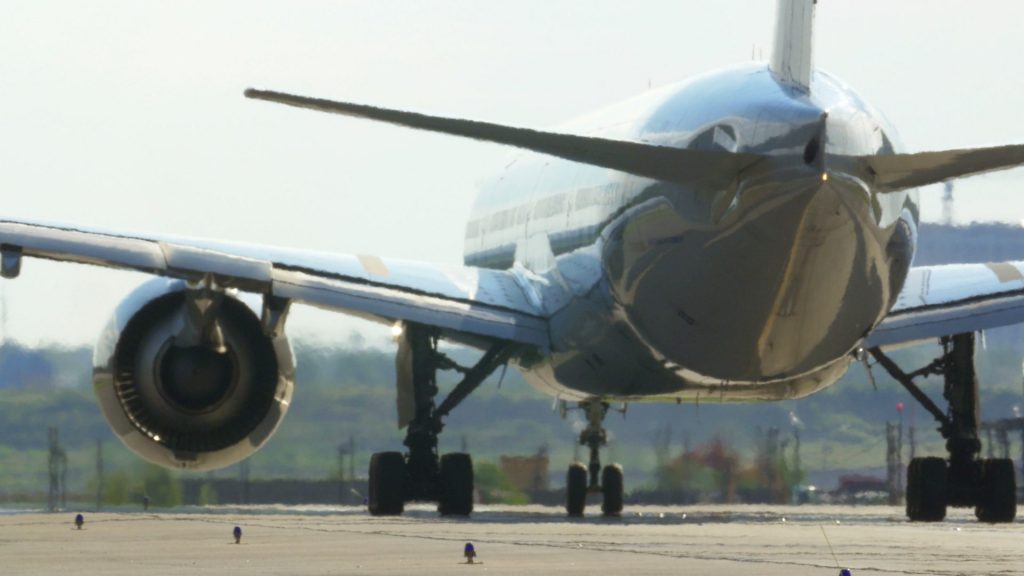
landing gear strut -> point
(420, 474)
(963, 480)
(582, 480)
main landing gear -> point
(963, 480)
(419, 474)
(582, 480)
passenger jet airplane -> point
(744, 235)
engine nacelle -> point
(190, 406)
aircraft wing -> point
(474, 301)
(951, 299)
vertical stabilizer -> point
(794, 39)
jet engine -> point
(188, 378)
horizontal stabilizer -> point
(899, 171)
(648, 160)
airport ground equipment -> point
(961, 480)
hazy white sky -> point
(130, 115)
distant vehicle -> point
(861, 488)
(742, 236)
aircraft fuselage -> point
(745, 286)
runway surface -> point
(741, 540)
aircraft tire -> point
(612, 488)
(386, 485)
(997, 493)
(576, 489)
(913, 479)
(926, 490)
(456, 497)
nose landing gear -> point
(593, 479)
(963, 480)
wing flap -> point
(380, 302)
(941, 301)
(916, 326)
(244, 272)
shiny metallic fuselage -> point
(747, 286)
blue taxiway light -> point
(79, 520)
(238, 534)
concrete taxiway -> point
(738, 540)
